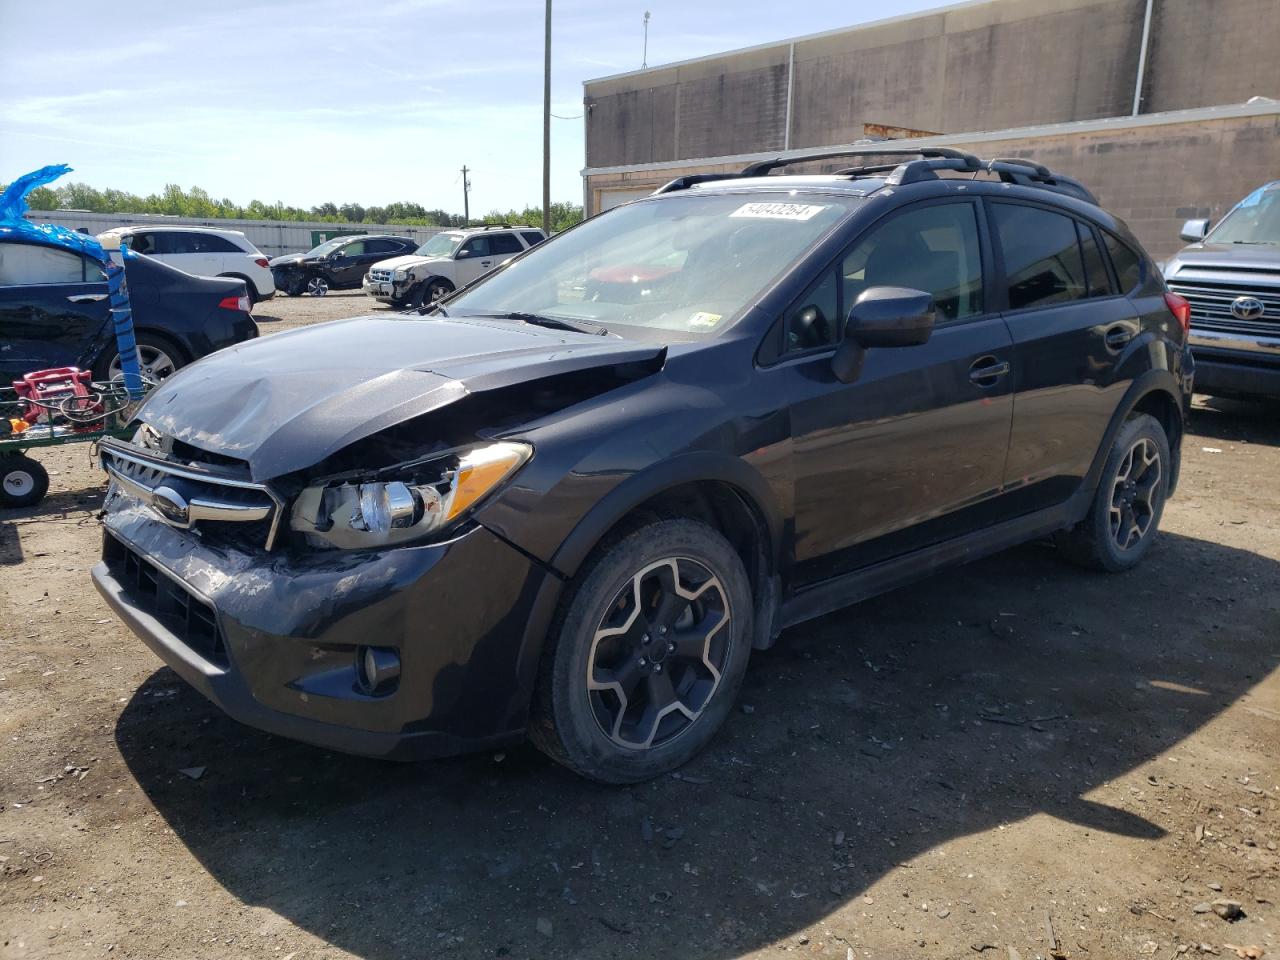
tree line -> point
(196, 202)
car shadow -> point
(985, 695)
(1248, 421)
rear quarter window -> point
(1129, 265)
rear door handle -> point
(1117, 337)
(985, 371)
(87, 297)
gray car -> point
(1231, 277)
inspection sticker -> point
(778, 211)
(704, 321)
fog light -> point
(377, 669)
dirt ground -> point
(1014, 759)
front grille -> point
(152, 590)
(196, 496)
(1211, 306)
(380, 276)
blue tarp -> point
(13, 224)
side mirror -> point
(462, 254)
(1193, 231)
(883, 317)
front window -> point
(1255, 219)
(441, 245)
(684, 263)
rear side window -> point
(29, 264)
(531, 238)
(1042, 260)
(212, 243)
(1128, 265)
(503, 244)
(381, 246)
(1095, 267)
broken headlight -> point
(423, 500)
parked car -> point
(337, 264)
(54, 313)
(447, 262)
(537, 510)
(1231, 277)
(203, 252)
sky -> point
(307, 101)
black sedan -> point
(337, 264)
(54, 312)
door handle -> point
(486, 263)
(1117, 337)
(87, 297)
(985, 371)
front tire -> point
(317, 286)
(23, 481)
(1125, 514)
(429, 291)
(646, 657)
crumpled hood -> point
(1203, 256)
(408, 260)
(290, 400)
(290, 259)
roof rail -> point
(928, 161)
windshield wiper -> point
(556, 323)
(1256, 243)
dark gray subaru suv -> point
(569, 501)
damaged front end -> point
(306, 552)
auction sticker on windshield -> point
(779, 211)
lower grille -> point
(154, 591)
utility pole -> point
(466, 200)
(644, 61)
(546, 131)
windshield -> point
(441, 245)
(686, 263)
(1256, 219)
(327, 247)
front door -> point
(54, 309)
(913, 451)
(347, 268)
(473, 259)
(1070, 327)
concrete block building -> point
(1167, 109)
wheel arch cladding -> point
(1154, 393)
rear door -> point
(1070, 327)
(913, 451)
(503, 246)
(54, 309)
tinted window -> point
(1042, 258)
(934, 249)
(27, 264)
(476, 247)
(211, 243)
(170, 243)
(1128, 266)
(381, 246)
(142, 243)
(1095, 268)
(531, 237)
(814, 320)
(504, 244)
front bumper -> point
(1236, 373)
(272, 638)
(386, 291)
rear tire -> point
(158, 359)
(23, 481)
(645, 658)
(1124, 518)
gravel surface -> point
(1012, 759)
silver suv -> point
(1231, 277)
(447, 262)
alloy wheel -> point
(658, 654)
(153, 363)
(1135, 494)
(317, 286)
